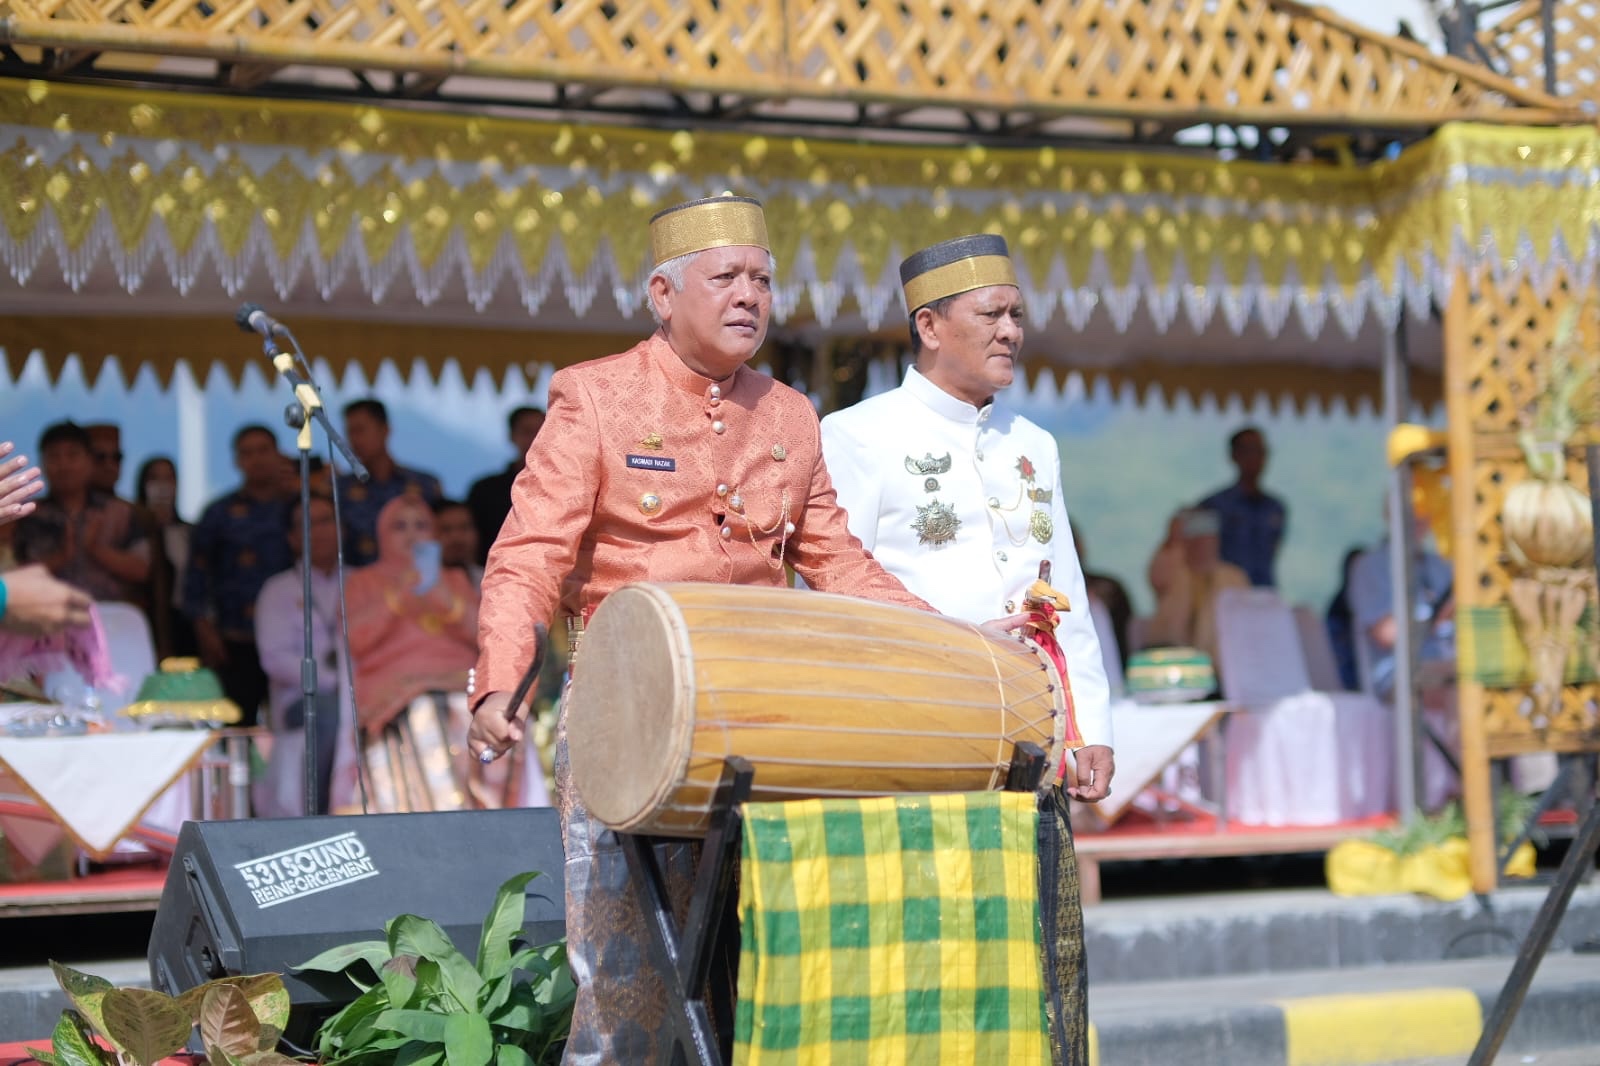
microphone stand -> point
(299, 416)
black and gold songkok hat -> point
(713, 222)
(952, 267)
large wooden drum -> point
(825, 695)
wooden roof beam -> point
(69, 60)
(732, 108)
(418, 86)
(580, 97)
(246, 76)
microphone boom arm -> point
(311, 404)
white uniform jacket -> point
(962, 505)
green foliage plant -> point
(423, 1003)
(1511, 815)
(240, 1020)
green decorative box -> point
(1170, 675)
(183, 691)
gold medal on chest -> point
(1042, 528)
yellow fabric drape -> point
(324, 193)
(527, 182)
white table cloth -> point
(1151, 739)
(99, 786)
(1294, 756)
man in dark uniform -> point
(366, 424)
(237, 544)
(489, 499)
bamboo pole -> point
(1460, 354)
(1402, 546)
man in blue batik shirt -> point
(237, 544)
(1253, 520)
(366, 424)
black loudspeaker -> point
(264, 895)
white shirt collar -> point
(942, 403)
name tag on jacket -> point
(652, 462)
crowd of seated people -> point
(227, 589)
(1231, 538)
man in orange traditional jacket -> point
(672, 461)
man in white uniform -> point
(954, 493)
(960, 498)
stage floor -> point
(133, 888)
(1137, 836)
(1192, 833)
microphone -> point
(252, 319)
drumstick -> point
(541, 635)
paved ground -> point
(1576, 1057)
(1217, 993)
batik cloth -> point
(897, 930)
(238, 543)
(1066, 969)
(620, 1017)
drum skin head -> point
(628, 733)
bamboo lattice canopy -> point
(1121, 69)
(1517, 45)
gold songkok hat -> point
(714, 222)
(952, 267)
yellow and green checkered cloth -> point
(890, 931)
(1489, 649)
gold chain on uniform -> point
(1000, 512)
(750, 528)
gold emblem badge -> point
(652, 442)
(931, 485)
(650, 503)
(928, 464)
(1038, 495)
(1042, 528)
(936, 524)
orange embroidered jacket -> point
(646, 471)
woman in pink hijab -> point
(413, 625)
(413, 637)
